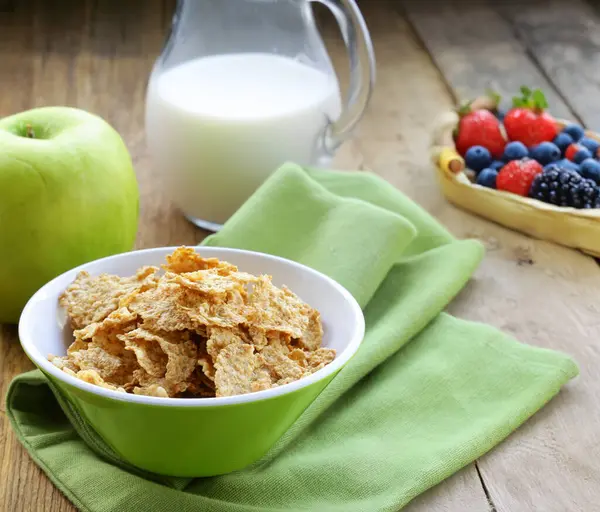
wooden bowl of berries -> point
(523, 169)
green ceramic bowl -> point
(193, 437)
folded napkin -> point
(424, 396)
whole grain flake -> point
(200, 328)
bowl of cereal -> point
(191, 361)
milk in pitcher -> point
(217, 126)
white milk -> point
(218, 126)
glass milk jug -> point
(243, 86)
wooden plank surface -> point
(97, 56)
(475, 48)
(564, 39)
(392, 139)
(541, 293)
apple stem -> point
(29, 131)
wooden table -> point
(97, 56)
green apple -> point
(68, 195)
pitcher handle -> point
(362, 68)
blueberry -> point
(500, 113)
(581, 155)
(591, 144)
(487, 178)
(545, 153)
(497, 165)
(590, 168)
(575, 131)
(567, 164)
(478, 158)
(515, 151)
(563, 141)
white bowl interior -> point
(43, 327)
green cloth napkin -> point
(425, 395)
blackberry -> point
(565, 187)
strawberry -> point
(517, 176)
(527, 122)
(479, 128)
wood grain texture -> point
(459, 493)
(564, 39)
(385, 129)
(97, 56)
(541, 293)
(472, 44)
(25, 488)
